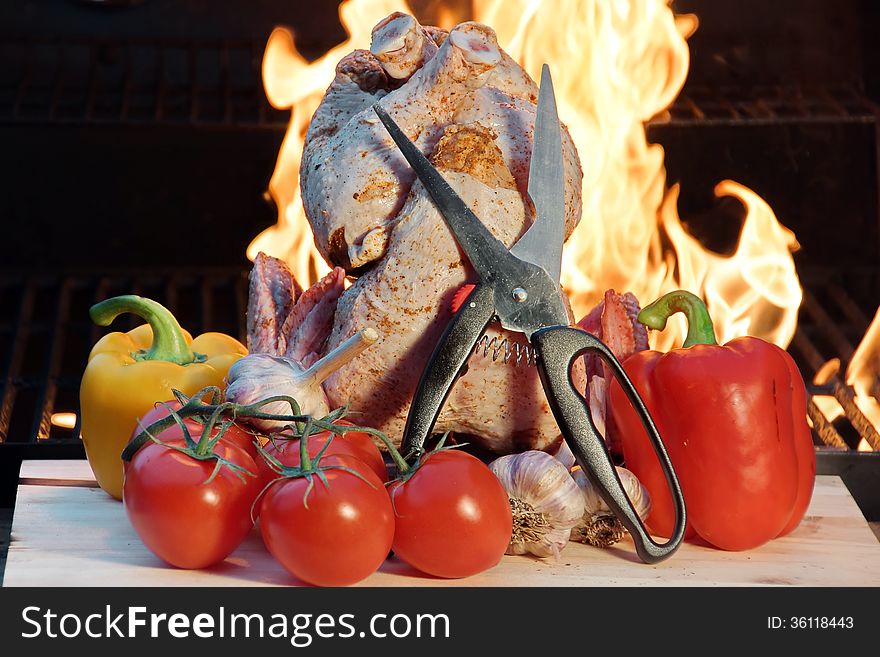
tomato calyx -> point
(309, 467)
(208, 407)
(196, 407)
(408, 471)
(203, 448)
(333, 423)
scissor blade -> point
(485, 251)
(542, 242)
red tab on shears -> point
(463, 293)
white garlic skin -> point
(594, 505)
(258, 376)
(542, 482)
(565, 456)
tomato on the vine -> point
(180, 512)
(452, 516)
(329, 530)
(235, 433)
(365, 449)
(286, 451)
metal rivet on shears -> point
(519, 294)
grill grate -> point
(49, 336)
(66, 81)
(771, 105)
(823, 347)
(218, 83)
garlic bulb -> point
(599, 526)
(545, 500)
(259, 376)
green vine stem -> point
(203, 450)
(194, 407)
(307, 469)
(215, 411)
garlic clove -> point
(545, 501)
(599, 526)
(564, 455)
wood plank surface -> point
(79, 536)
(60, 472)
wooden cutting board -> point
(68, 532)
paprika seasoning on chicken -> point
(733, 419)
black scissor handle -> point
(449, 358)
(557, 348)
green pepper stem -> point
(169, 343)
(700, 329)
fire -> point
(292, 82)
(63, 420)
(863, 374)
(616, 66)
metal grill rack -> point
(834, 315)
(216, 84)
(46, 335)
(774, 105)
(823, 347)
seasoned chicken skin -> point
(471, 109)
(354, 179)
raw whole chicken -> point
(470, 108)
(354, 180)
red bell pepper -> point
(733, 419)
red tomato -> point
(235, 434)
(275, 449)
(287, 452)
(182, 519)
(366, 450)
(452, 517)
(337, 535)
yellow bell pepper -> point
(128, 373)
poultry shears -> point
(520, 289)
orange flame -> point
(292, 82)
(863, 374)
(616, 65)
(827, 404)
